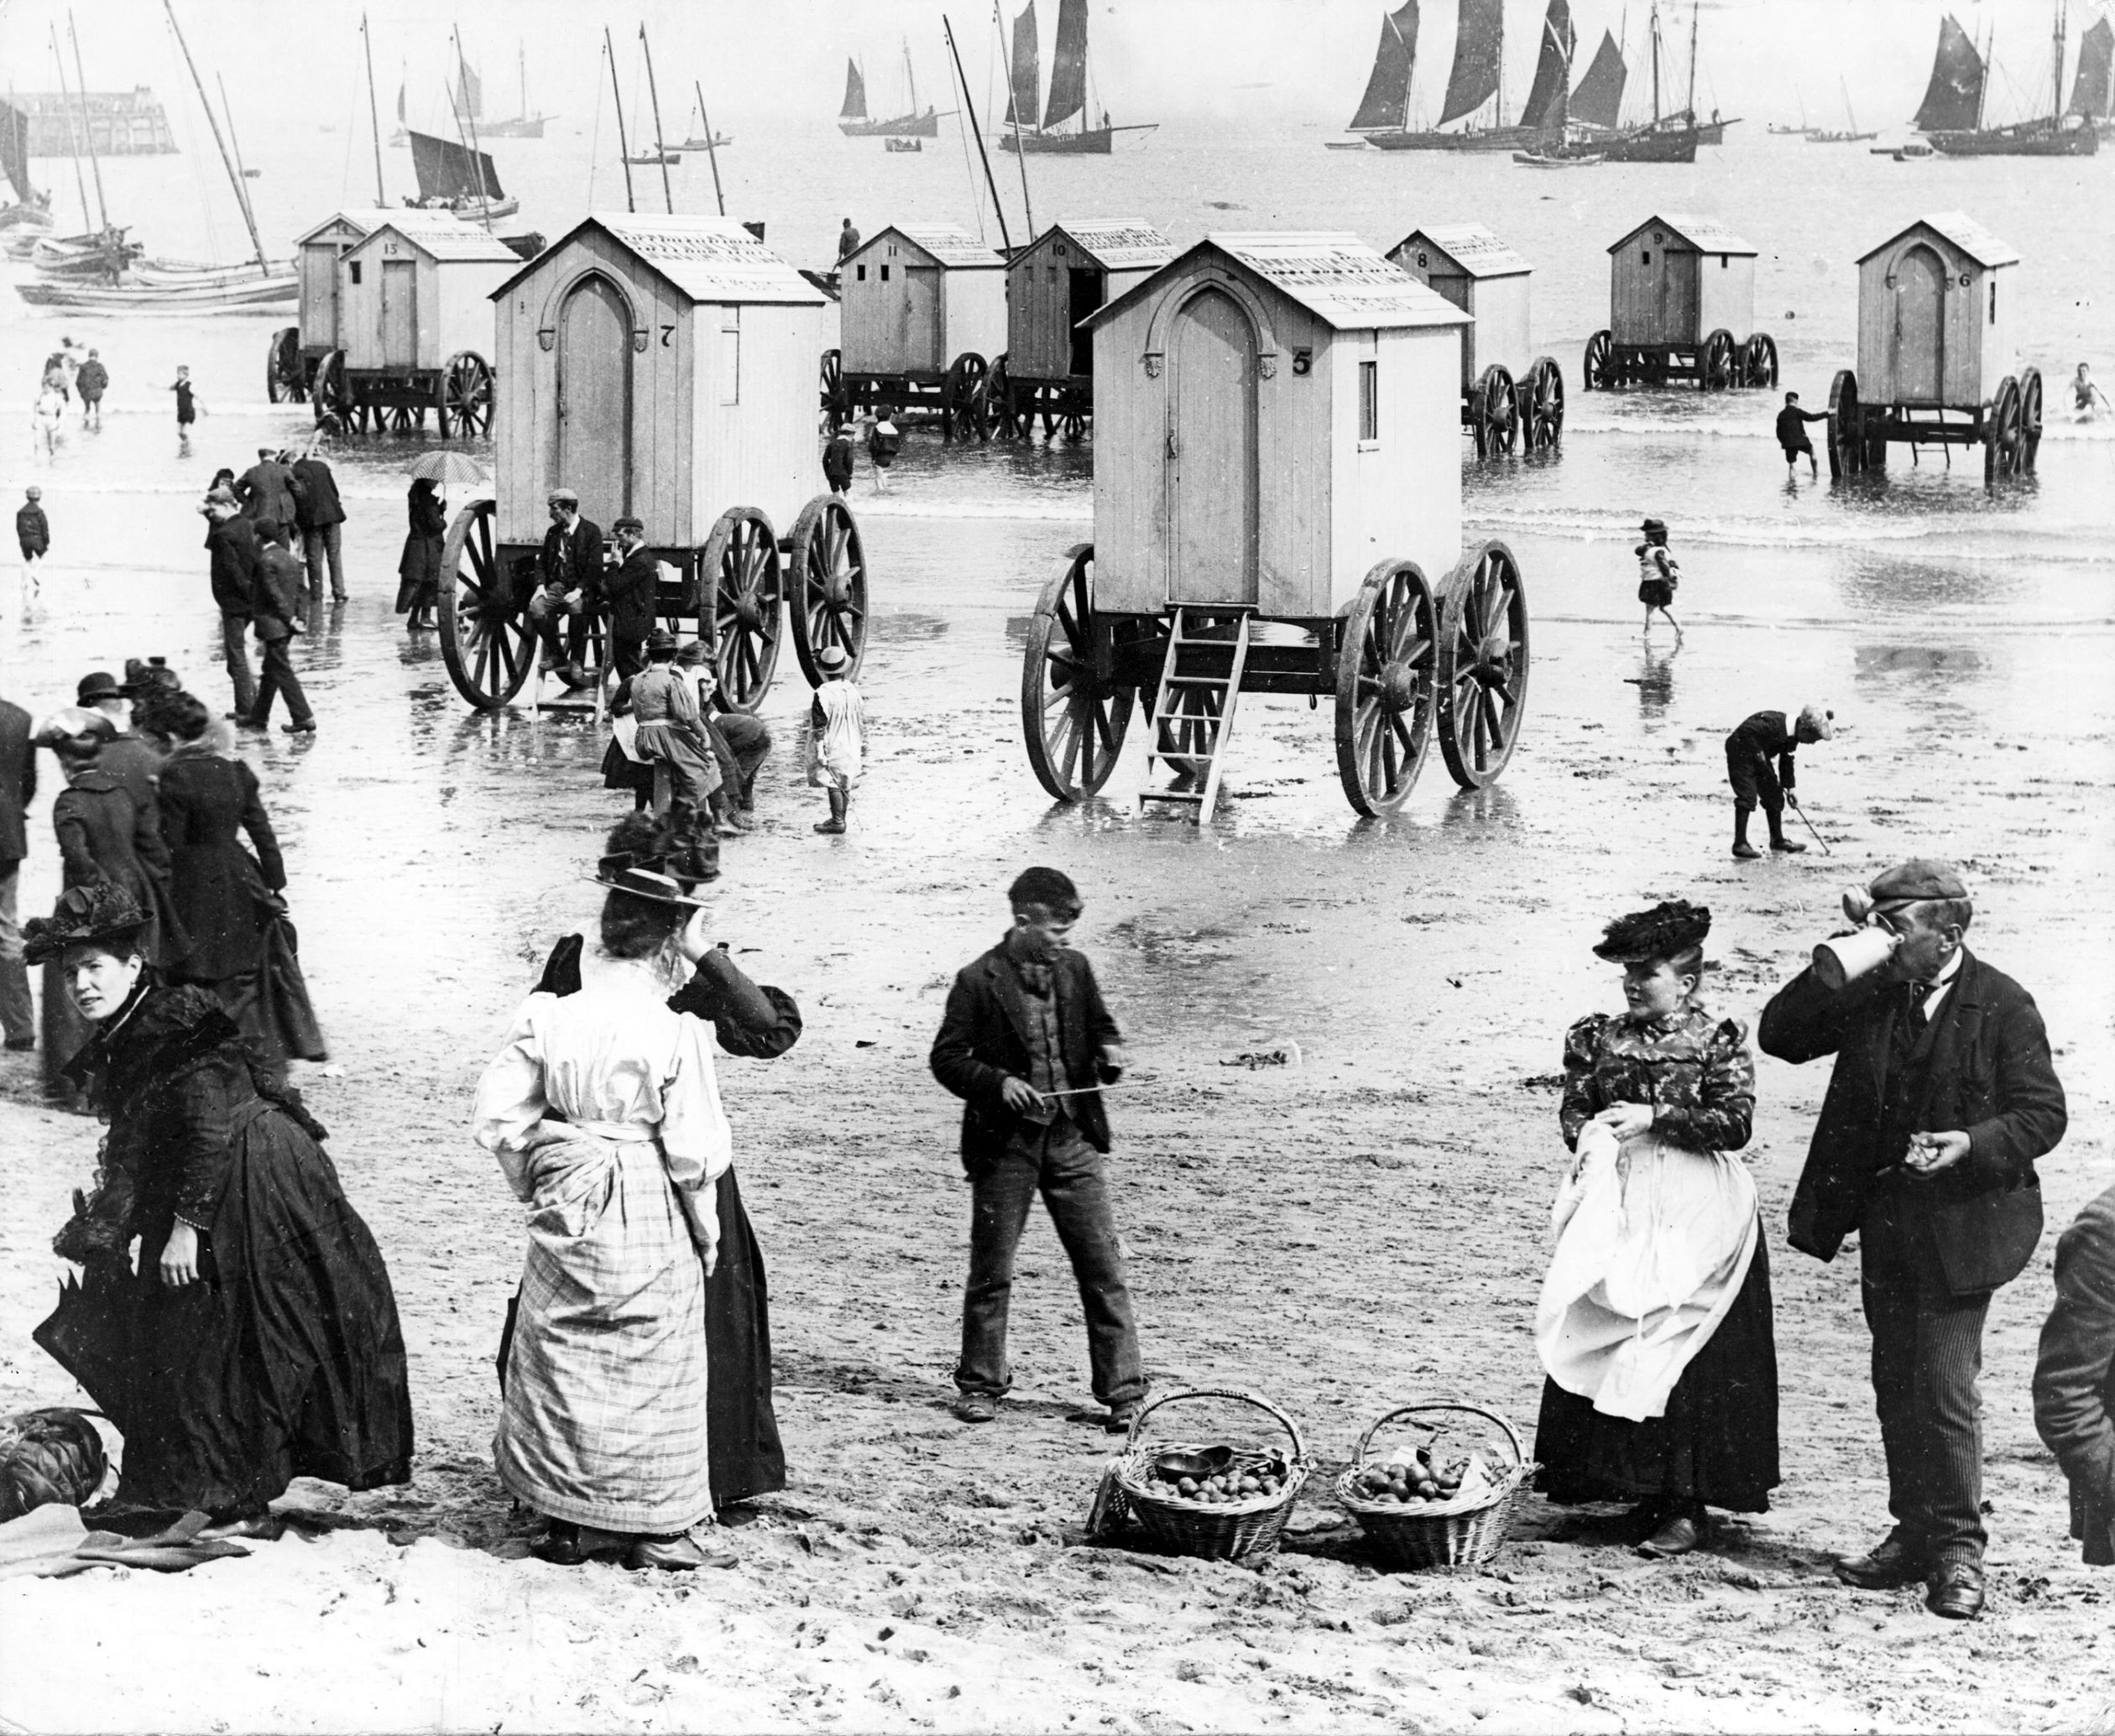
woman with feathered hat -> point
(1654, 1325)
(256, 1341)
(636, 1376)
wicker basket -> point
(1404, 1537)
(1223, 1531)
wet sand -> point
(1367, 1227)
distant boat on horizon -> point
(851, 119)
(1950, 117)
(1069, 98)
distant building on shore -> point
(119, 124)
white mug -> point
(1850, 956)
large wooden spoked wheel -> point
(1717, 365)
(2004, 434)
(741, 565)
(1759, 361)
(1543, 404)
(1598, 373)
(485, 636)
(2030, 418)
(465, 408)
(1075, 404)
(1000, 417)
(1387, 686)
(963, 411)
(836, 402)
(1847, 426)
(333, 397)
(1497, 413)
(1073, 712)
(283, 381)
(1482, 665)
(829, 586)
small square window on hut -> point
(1369, 403)
(1645, 257)
(862, 274)
(1724, 261)
(885, 274)
(353, 271)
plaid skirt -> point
(603, 1422)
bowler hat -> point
(1914, 881)
(103, 911)
(144, 675)
(99, 685)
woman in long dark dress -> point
(105, 837)
(241, 946)
(257, 1341)
(1655, 1322)
(418, 567)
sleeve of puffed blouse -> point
(1582, 1090)
(695, 1141)
(510, 1097)
(1720, 1115)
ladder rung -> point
(1171, 796)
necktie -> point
(1919, 993)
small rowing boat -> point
(240, 297)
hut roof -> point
(1335, 277)
(1964, 232)
(706, 258)
(1707, 235)
(1113, 244)
(955, 248)
(409, 221)
(462, 242)
(1473, 248)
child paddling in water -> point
(837, 721)
(1657, 575)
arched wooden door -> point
(1211, 452)
(594, 456)
(1919, 327)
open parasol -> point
(448, 468)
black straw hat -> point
(83, 915)
(1667, 930)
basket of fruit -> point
(1433, 1504)
(1216, 1499)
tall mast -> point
(711, 149)
(623, 149)
(2056, 109)
(73, 134)
(521, 63)
(374, 112)
(470, 114)
(234, 179)
(81, 83)
(660, 145)
(1656, 48)
(976, 132)
(1020, 156)
(1498, 96)
(241, 185)
(1695, 11)
(911, 77)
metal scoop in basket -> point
(1197, 1461)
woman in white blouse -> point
(604, 1113)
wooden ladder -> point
(1193, 709)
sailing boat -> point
(1667, 138)
(1069, 92)
(453, 177)
(1952, 113)
(30, 211)
(1598, 103)
(702, 137)
(402, 136)
(1818, 135)
(1475, 79)
(852, 118)
(2093, 88)
(523, 125)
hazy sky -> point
(1152, 60)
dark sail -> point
(854, 107)
(2092, 90)
(1020, 94)
(1953, 101)
(1068, 64)
(1478, 44)
(447, 171)
(14, 151)
(1598, 100)
(1385, 106)
(1552, 70)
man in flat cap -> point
(628, 593)
(1942, 1097)
(1758, 765)
(570, 567)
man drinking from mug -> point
(1942, 1097)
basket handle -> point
(1513, 1435)
(1285, 1422)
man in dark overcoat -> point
(278, 616)
(320, 515)
(628, 593)
(2074, 1376)
(1026, 1043)
(17, 789)
(570, 569)
(231, 544)
(266, 489)
(1942, 1097)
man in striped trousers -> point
(1942, 1097)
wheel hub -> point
(748, 610)
(837, 588)
(1398, 687)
